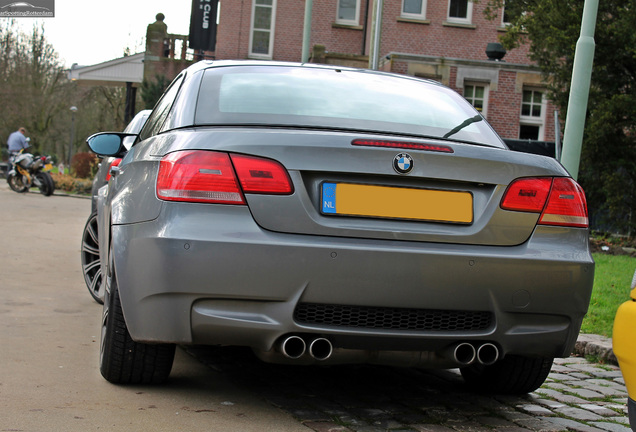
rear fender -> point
(131, 191)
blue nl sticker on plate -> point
(329, 198)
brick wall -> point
(431, 37)
(233, 32)
(288, 39)
(436, 37)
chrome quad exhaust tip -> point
(293, 347)
(487, 354)
(464, 353)
(307, 349)
(320, 349)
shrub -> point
(84, 165)
(71, 184)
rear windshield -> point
(337, 99)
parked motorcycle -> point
(28, 170)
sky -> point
(88, 32)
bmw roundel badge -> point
(403, 163)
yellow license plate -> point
(347, 199)
(48, 167)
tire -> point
(90, 259)
(16, 184)
(47, 185)
(122, 360)
(510, 375)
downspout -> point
(364, 28)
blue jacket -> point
(16, 142)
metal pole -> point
(307, 31)
(557, 136)
(129, 106)
(579, 90)
(376, 31)
(70, 150)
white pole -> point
(579, 90)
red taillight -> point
(207, 176)
(198, 176)
(527, 195)
(262, 176)
(114, 163)
(566, 206)
(403, 145)
(561, 201)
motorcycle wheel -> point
(16, 184)
(47, 186)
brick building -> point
(444, 40)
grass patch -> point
(612, 278)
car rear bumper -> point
(193, 276)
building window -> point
(262, 35)
(460, 11)
(511, 12)
(415, 9)
(532, 120)
(477, 95)
(348, 12)
(532, 103)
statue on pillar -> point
(157, 41)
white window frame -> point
(469, 14)
(530, 120)
(486, 87)
(504, 23)
(354, 22)
(270, 50)
(503, 13)
(418, 16)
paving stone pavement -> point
(579, 395)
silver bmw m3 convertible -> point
(325, 215)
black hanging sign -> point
(203, 25)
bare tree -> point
(33, 86)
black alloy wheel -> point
(90, 259)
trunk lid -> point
(472, 177)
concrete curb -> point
(599, 347)
(70, 195)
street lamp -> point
(70, 150)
